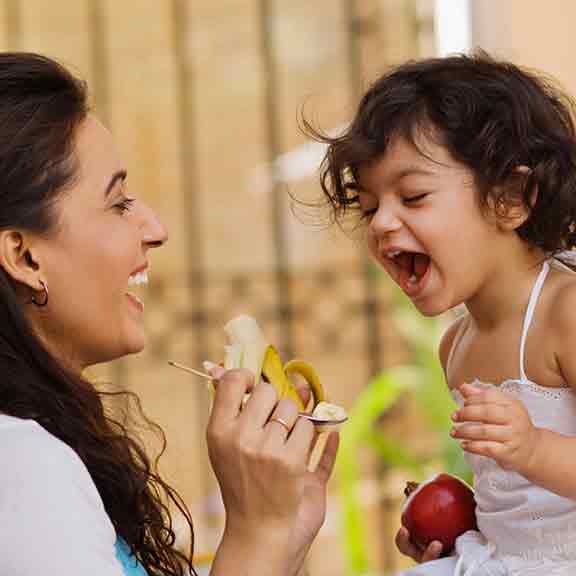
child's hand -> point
(496, 425)
(408, 548)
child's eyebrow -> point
(409, 171)
(394, 177)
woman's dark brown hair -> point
(41, 107)
(491, 116)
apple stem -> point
(410, 487)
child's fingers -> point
(468, 390)
(432, 552)
(474, 395)
(408, 548)
(488, 413)
(483, 432)
(483, 448)
(405, 545)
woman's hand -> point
(408, 548)
(259, 452)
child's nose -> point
(385, 221)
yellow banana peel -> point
(248, 348)
(306, 370)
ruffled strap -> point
(567, 256)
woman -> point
(77, 492)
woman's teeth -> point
(138, 278)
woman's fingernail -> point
(216, 372)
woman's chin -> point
(136, 346)
(133, 343)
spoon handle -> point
(314, 419)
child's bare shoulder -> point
(563, 308)
(562, 327)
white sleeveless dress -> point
(525, 530)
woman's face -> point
(98, 250)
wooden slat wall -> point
(182, 86)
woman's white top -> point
(52, 519)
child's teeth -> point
(413, 279)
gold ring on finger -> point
(282, 422)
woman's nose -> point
(154, 233)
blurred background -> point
(204, 97)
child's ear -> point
(511, 208)
(17, 258)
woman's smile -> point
(137, 279)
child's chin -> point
(430, 310)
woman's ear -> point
(18, 260)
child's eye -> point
(414, 199)
(367, 213)
(124, 205)
(363, 205)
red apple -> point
(441, 508)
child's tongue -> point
(413, 267)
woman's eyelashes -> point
(124, 205)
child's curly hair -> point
(492, 116)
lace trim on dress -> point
(516, 386)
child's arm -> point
(497, 425)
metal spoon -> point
(316, 420)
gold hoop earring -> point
(44, 301)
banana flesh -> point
(248, 348)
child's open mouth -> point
(412, 271)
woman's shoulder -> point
(31, 455)
(23, 438)
(46, 489)
(50, 502)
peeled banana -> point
(248, 348)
